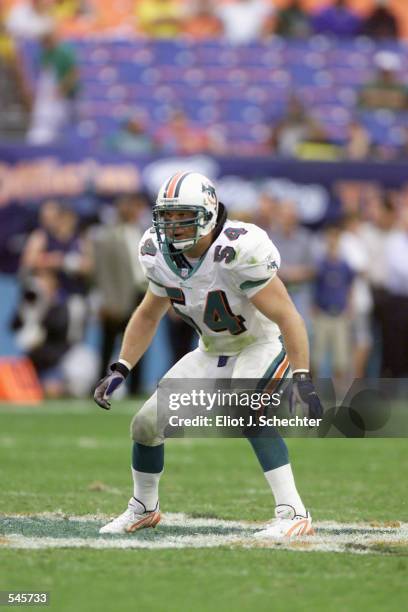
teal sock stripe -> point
(271, 452)
(148, 459)
(269, 446)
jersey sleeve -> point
(148, 251)
(258, 262)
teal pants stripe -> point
(268, 445)
(266, 377)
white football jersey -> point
(212, 294)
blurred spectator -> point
(131, 138)
(14, 95)
(267, 211)
(293, 21)
(56, 90)
(373, 234)
(181, 137)
(29, 19)
(58, 246)
(358, 145)
(386, 90)
(294, 128)
(42, 324)
(159, 18)
(202, 23)
(119, 277)
(332, 324)
(7, 45)
(244, 21)
(403, 148)
(295, 246)
(337, 19)
(396, 308)
(68, 9)
(355, 253)
(381, 23)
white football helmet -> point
(185, 192)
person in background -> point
(358, 145)
(69, 9)
(48, 215)
(373, 232)
(292, 21)
(181, 137)
(245, 21)
(41, 323)
(355, 253)
(381, 23)
(295, 246)
(29, 20)
(59, 247)
(295, 127)
(14, 92)
(131, 138)
(56, 90)
(202, 23)
(396, 307)
(159, 18)
(118, 276)
(386, 89)
(337, 19)
(267, 211)
(402, 150)
(332, 315)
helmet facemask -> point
(175, 232)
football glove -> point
(107, 385)
(303, 393)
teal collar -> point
(177, 261)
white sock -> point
(146, 488)
(284, 489)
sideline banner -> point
(30, 174)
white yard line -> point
(357, 538)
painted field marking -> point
(56, 530)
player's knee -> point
(142, 429)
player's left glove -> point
(303, 393)
(107, 385)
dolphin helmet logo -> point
(210, 191)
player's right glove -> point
(107, 385)
(303, 393)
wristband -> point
(125, 363)
(299, 375)
(121, 368)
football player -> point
(221, 276)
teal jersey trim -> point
(174, 268)
(248, 284)
(155, 282)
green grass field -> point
(72, 459)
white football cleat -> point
(287, 524)
(133, 519)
